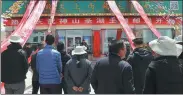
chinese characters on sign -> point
(95, 21)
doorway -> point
(73, 41)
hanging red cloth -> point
(2, 88)
(118, 35)
(96, 43)
(29, 59)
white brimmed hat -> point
(84, 47)
(179, 39)
(16, 39)
(79, 50)
(165, 46)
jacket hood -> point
(141, 52)
(164, 59)
(14, 46)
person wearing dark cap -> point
(65, 58)
(35, 77)
(139, 59)
(49, 68)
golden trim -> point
(99, 14)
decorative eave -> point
(99, 14)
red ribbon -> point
(33, 19)
(120, 17)
(53, 11)
(142, 13)
(28, 11)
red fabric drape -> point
(118, 35)
(96, 43)
(2, 88)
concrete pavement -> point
(28, 82)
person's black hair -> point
(116, 45)
(27, 44)
(50, 39)
(60, 46)
(138, 41)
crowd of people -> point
(141, 71)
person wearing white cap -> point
(164, 75)
(78, 72)
(14, 66)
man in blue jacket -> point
(49, 67)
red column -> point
(118, 35)
(96, 43)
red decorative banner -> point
(30, 24)
(123, 22)
(22, 21)
(94, 21)
(53, 10)
(142, 13)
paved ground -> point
(28, 82)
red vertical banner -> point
(2, 88)
(119, 33)
(56, 38)
(142, 13)
(96, 43)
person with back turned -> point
(49, 68)
(35, 76)
(164, 74)
(14, 66)
(65, 58)
(113, 75)
(139, 59)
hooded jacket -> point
(139, 60)
(164, 76)
(14, 65)
(65, 58)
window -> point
(42, 38)
(35, 39)
(149, 36)
(108, 36)
(61, 34)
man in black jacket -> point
(14, 67)
(139, 59)
(65, 58)
(35, 77)
(164, 74)
(112, 75)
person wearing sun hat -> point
(164, 75)
(14, 66)
(78, 72)
(180, 42)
